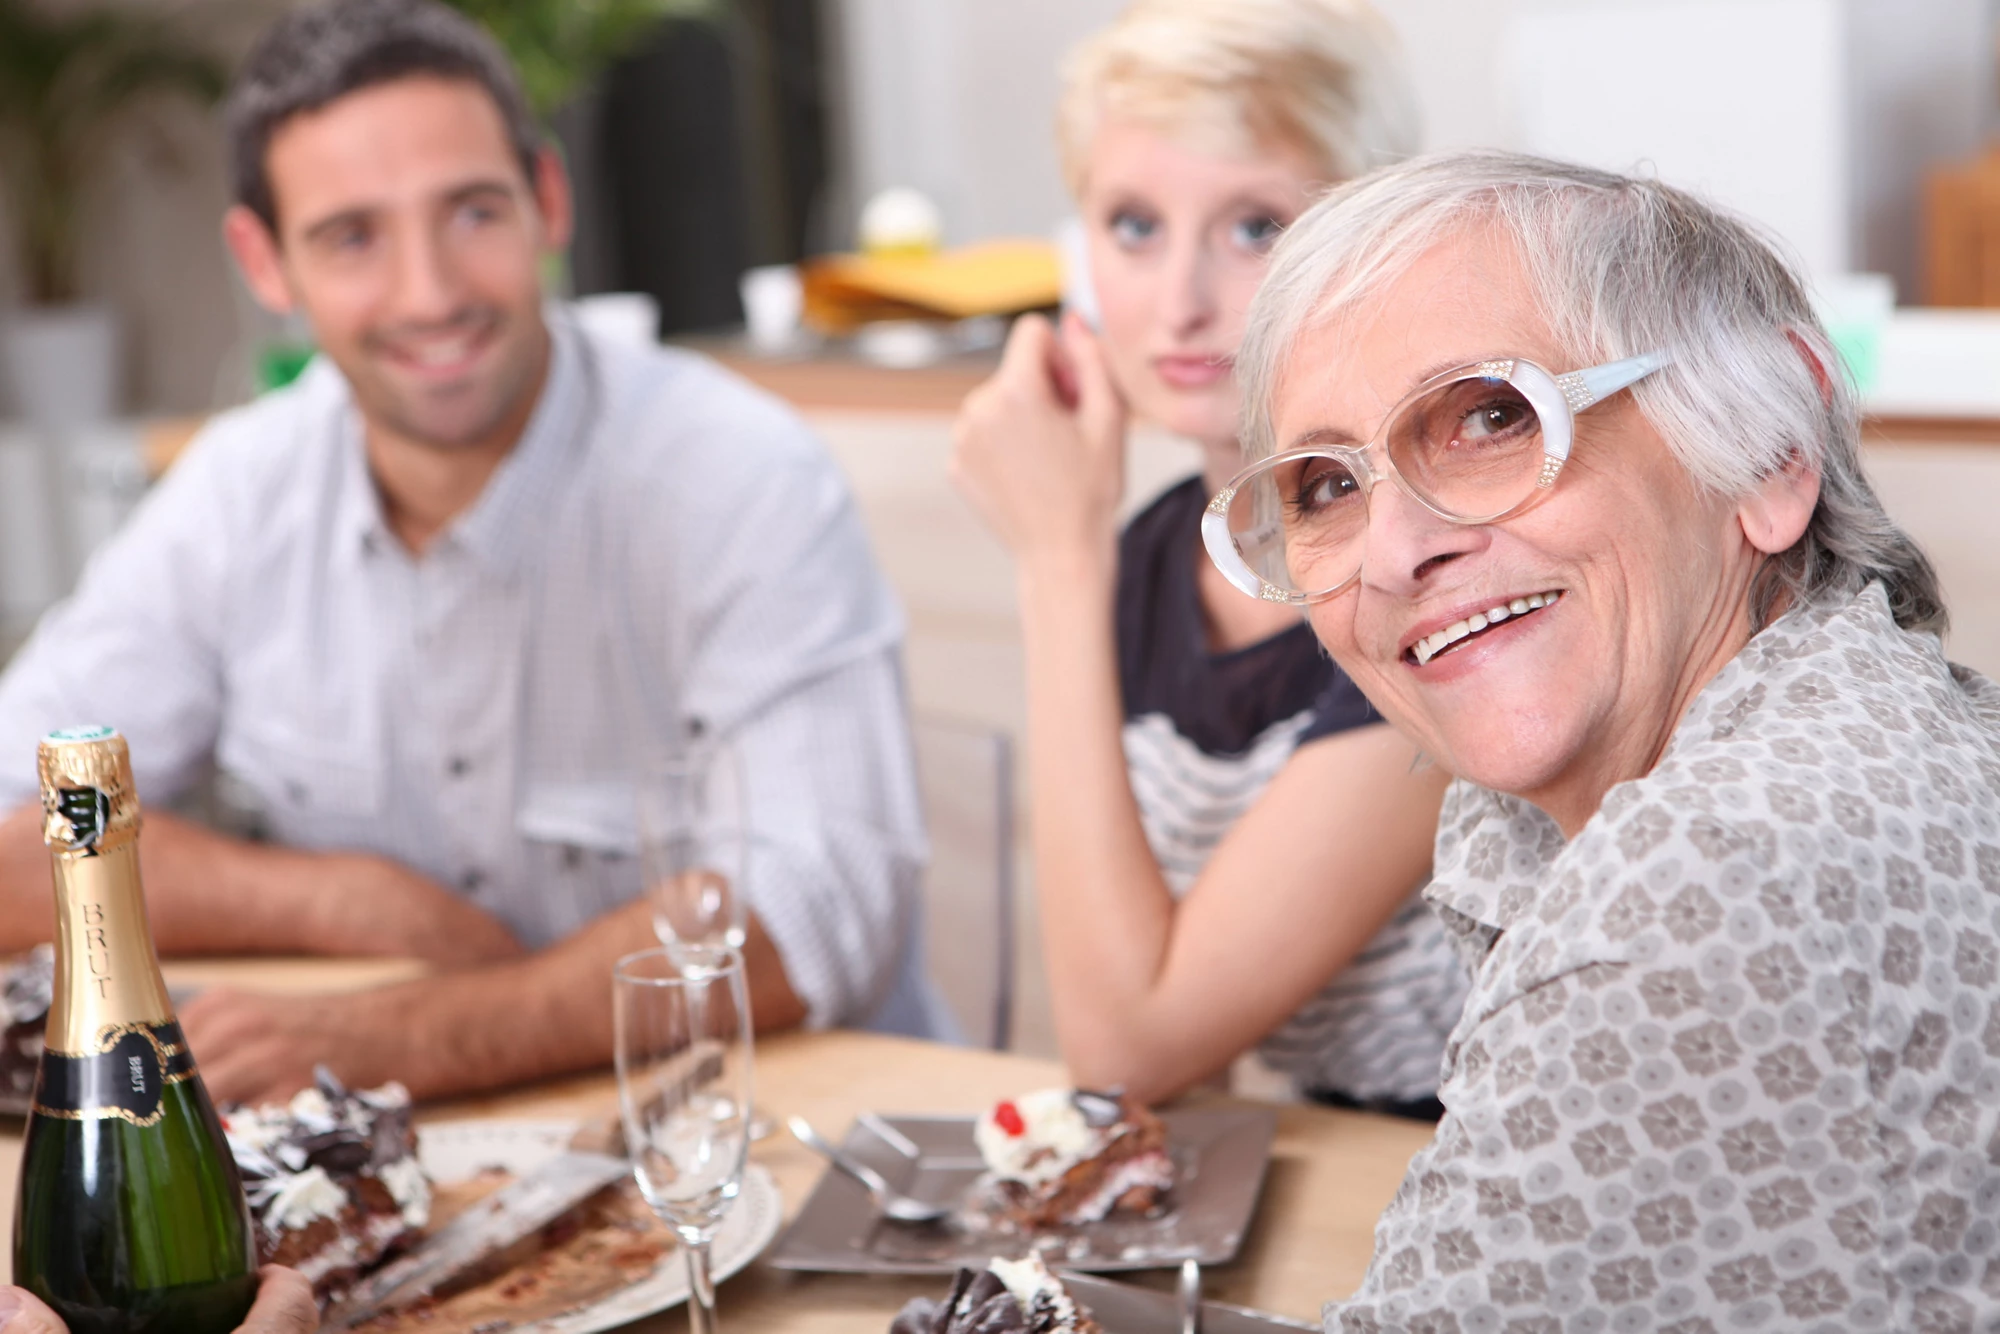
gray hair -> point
(1619, 267)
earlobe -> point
(552, 196)
(1821, 376)
(1775, 514)
(256, 254)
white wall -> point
(955, 97)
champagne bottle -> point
(130, 1214)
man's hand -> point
(284, 1306)
(456, 1032)
(254, 1048)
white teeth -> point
(1431, 645)
(441, 354)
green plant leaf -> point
(69, 76)
(559, 45)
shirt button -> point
(472, 880)
(459, 766)
(572, 856)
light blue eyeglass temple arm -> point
(1583, 388)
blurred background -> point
(714, 139)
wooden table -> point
(1331, 1172)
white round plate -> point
(456, 1150)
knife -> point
(594, 1158)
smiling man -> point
(429, 610)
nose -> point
(1406, 545)
(426, 280)
(1187, 299)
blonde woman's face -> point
(1178, 243)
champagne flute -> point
(681, 1023)
(694, 852)
(694, 845)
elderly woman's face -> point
(1647, 575)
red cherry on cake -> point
(1008, 1117)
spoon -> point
(1190, 1297)
(891, 1203)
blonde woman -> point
(1228, 842)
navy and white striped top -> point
(1205, 733)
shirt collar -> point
(1491, 851)
(1494, 851)
(503, 528)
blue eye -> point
(1256, 233)
(1130, 229)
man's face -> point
(411, 241)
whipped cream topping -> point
(295, 1201)
(1152, 1169)
(28, 987)
(284, 1152)
(1037, 1137)
(410, 1188)
(311, 1109)
(1037, 1290)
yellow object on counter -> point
(843, 292)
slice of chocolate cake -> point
(1007, 1297)
(332, 1179)
(26, 985)
(1058, 1157)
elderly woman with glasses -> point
(1566, 474)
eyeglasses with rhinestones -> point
(1473, 445)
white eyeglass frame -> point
(1556, 400)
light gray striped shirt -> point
(1377, 1029)
(666, 550)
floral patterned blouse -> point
(1731, 1058)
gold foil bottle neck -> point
(89, 804)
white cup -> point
(774, 298)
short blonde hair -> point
(1323, 77)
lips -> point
(442, 353)
(1460, 632)
(1183, 372)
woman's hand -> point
(284, 1306)
(1039, 449)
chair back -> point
(965, 773)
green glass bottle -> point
(130, 1214)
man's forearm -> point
(549, 1014)
(210, 894)
(203, 891)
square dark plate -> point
(1220, 1154)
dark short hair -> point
(320, 52)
